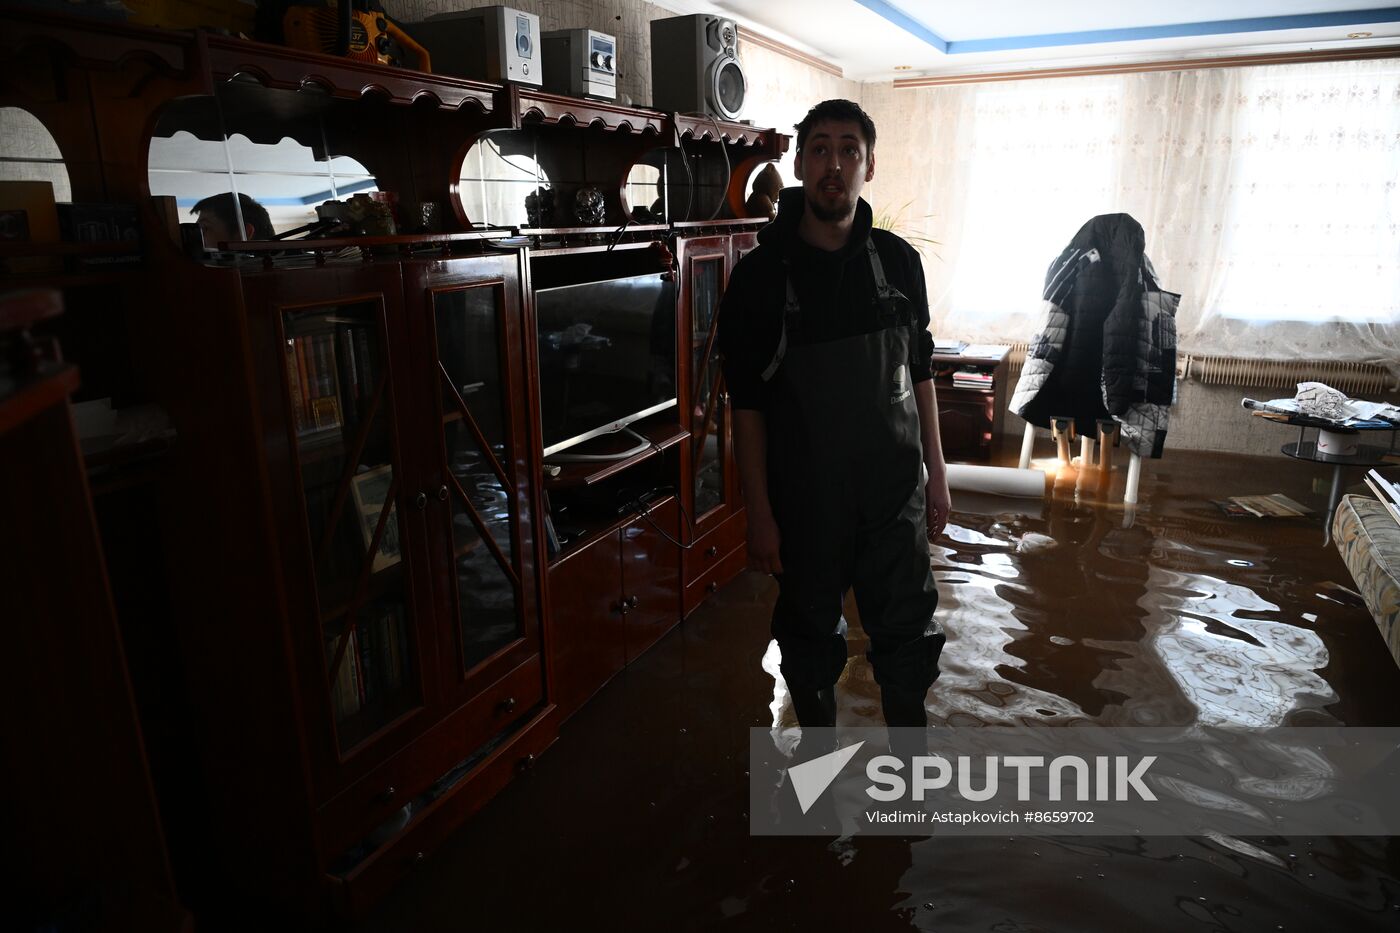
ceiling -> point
(868, 38)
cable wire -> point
(724, 150)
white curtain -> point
(1268, 196)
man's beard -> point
(843, 209)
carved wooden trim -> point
(96, 43)
(541, 107)
(703, 128)
(289, 69)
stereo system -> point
(493, 43)
(695, 66)
(580, 63)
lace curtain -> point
(1268, 196)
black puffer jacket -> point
(1086, 371)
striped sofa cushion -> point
(1369, 541)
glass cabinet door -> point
(708, 413)
(479, 457)
(342, 418)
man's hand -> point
(763, 541)
(937, 504)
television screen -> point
(607, 354)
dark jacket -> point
(1108, 343)
(835, 291)
(1081, 365)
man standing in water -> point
(827, 354)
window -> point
(1312, 212)
(1267, 194)
(1041, 162)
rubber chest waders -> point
(846, 482)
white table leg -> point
(1027, 445)
(1130, 495)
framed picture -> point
(371, 491)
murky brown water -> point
(1057, 612)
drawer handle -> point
(506, 706)
(632, 602)
(442, 493)
(623, 608)
(526, 763)
(420, 501)
(712, 551)
(387, 794)
(417, 859)
(712, 586)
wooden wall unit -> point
(707, 252)
(372, 635)
(84, 843)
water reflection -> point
(1074, 631)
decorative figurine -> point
(764, 200)
(588, 206)
(539, 207)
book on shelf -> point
(349, 380)
(372, 666)
(967, 377)
(346, 697)
(330, 372)
(380, 659)
(294, 387)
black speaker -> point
(695, 66)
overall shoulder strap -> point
(791, 310)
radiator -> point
(1355, 379)
(1017, 358)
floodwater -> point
(1070, 610)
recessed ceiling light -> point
(1358, 35)
(910, 67)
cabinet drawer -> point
(965, 423)
(711, 548)
(347, 818)
(723, 570)
(353, 893)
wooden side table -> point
(970, 416)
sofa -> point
(1368, 539)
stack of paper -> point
(1387, 492)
